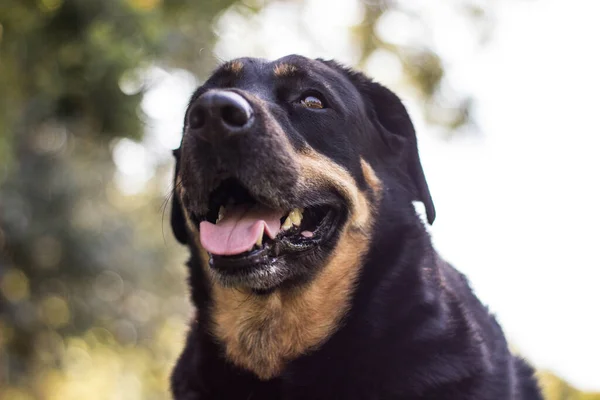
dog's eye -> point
(312, 102)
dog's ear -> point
(393, 117)
(177, 218)
(390, 116)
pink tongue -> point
(239, 230)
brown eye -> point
(311, 102)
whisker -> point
(163, 207)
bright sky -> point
(517, 205)
(519, 210)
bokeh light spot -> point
(135, 167)
(108, 286)
(385, 65)
(15, 285)
(54, 311)
(144, 5)
(125, 332)
(132, 81)
(49, 138)
(49, 346)
(98, 336)
(49, 5)
(77, 359)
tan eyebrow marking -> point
(235, 66)
(284, 69)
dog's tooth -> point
(221, 214)
(259, 241)
(287, 224)
(296, 216)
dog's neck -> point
(261, 333)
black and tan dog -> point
(311, 273)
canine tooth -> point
(221, 214)
(296, 216)
(259, 241)
(287, 224)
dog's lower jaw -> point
(260, 333)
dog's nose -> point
(219, 113)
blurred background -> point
(504, 95)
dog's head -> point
(279, 160)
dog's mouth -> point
(248, 238)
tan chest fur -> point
(262, 333)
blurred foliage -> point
(557, 389)
(423, 68)
(93, 302)
(93, 297)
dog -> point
(311, 273)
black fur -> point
(415, 330)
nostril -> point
(196, 118)
(234, 116)
(217, 113)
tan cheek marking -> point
(262, 333)
(371, 178)
(283, 69)
(319, 171)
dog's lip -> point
(326, 211)
(200, 211)
(282, 246)
(338, 205)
